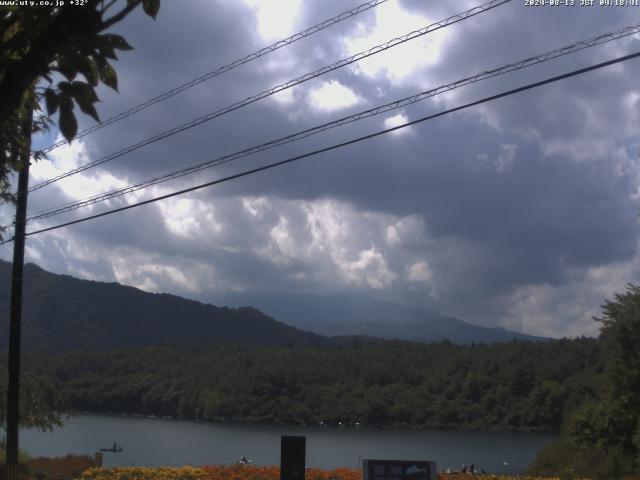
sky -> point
(520, 213)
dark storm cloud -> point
(503, 200)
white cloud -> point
(79, 186)
(332, 96)
(396, 120)
(568, 309)
(630, 101)
(276, 19)
(370, 268)
(283, 247)
(148, 276)
(508, 153)
(500, 163)
(256, 206)
(405, 230)
(189, 218)
(419, 272)
(399, 63)
(285, 98)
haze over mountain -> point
(61, 312)
(350, 314)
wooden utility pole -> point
(15, 324)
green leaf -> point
(85, 97)
(68, 64)
(108, 51)
(151, 7)
(51, 100)
(108, 76)
(115, 41)
(64, 87)
(83, 92)
(65, 100)
(89, 109)
(67, 121)
(90, 71)
(68, 73)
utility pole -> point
(15, 327)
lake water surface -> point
(154, 442)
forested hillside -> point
(62, 313)
(516, 385)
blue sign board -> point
(398, 470)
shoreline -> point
(351, 427)
(153, 442)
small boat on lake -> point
(114, 449)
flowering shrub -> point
(249, 472)
(144, 473)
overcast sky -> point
(521, 213)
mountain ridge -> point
(340, 314)
(61, 312)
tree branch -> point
(107, 7)
(120, 15)
(19, 76)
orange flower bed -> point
(213, 472)
(251, 472)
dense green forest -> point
(516, 385)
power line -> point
(224, 69)
(600, 39)
(291, 83)
(343, 144)
(12, 232)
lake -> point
(154, 442)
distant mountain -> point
(62, 312)
(342, 314)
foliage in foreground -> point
(602, 439)
(69, 466)
(36, 44)
(567, 460)
(40, 402)
(23, 457)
